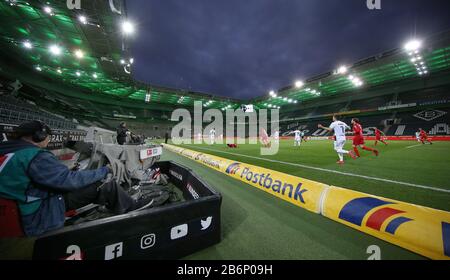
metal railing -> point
(17, 116)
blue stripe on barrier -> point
(395, 223)
(446, 238)
(355, 211)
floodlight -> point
(82, 19)
(27, 45)
(342, 69)
(413, 45)
(299, 84)
(48, 10)
(128, 28)
(55, 50)
(79, 54)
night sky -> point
(244, 48)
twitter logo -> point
(206, 223)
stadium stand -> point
(16, 111)
(425, 97)
(153, 130)
(331, 109)
(370, 103)
(299, 114)
(434, 121)
(388, 115)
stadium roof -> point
(88, 50)
(430, 56)
(85, 48)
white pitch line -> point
(414, 146)
(333, 171)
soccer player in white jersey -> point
(276, 135)
(418, 136)
(212, 136)
(298, 138)
(339, 129)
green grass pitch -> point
(399, 162)
(255, 225)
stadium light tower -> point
(417, 59)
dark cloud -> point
(243, 48)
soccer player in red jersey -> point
(264, 138)
(358, 138)
(378, 137)
(424, 137)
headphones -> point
(42, 134)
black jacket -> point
(122, 135)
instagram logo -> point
(148, 241)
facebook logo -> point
(113, 251)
